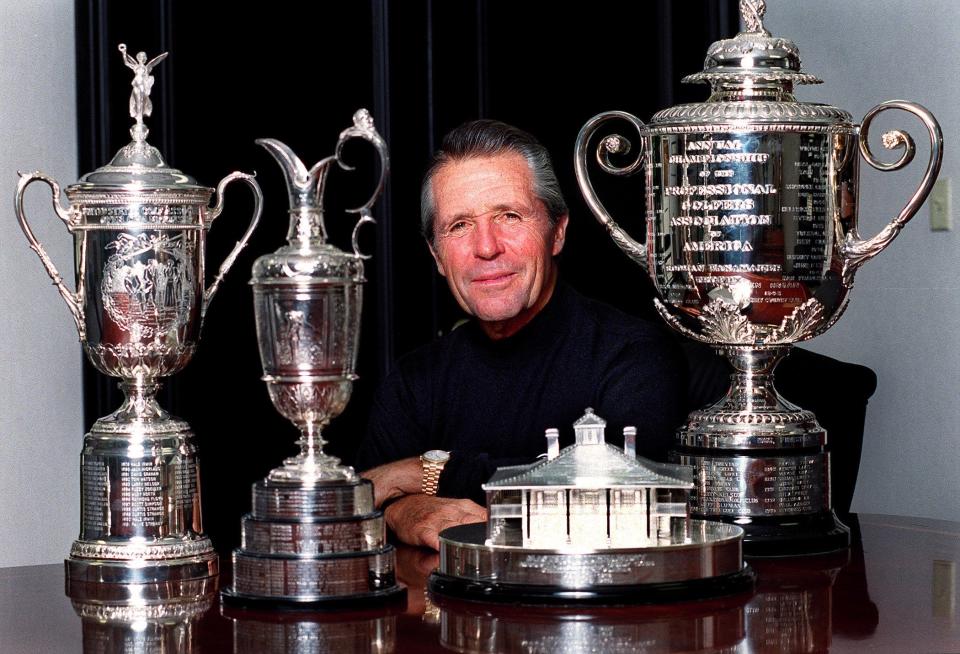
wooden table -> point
(894, 591)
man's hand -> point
(419, 519)
(403, 477)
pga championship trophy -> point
(752, 244)
(314, 538)
(140, 230)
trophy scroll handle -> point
(613, 144)
(215, 211)
(73, 300)
(363, 127)
(857, 251)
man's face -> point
(493, 240)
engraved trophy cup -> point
(752, 244)
(140, 230)
(313, 537)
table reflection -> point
(308, 633)
(792, 610)
(801, 605)
(142, 618)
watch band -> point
(431, 467)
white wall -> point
(904, 317)
(41, 423)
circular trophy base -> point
(169, 602)
(820, 533)
(704, 562)
(313, 536)
(140, 573)
(388, 596)
(295, 500)
(751, 431)
(319, 578)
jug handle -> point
(363, 128)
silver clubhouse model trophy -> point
(140, 231)
(314, 537)
(591, 524)
(752, 243)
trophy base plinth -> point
(143, 572)
(821, 533)
(287, 500)
(313, 578)
(315, 545)
(754, 430)
(704, 561)
(176, 592)
(313, 537)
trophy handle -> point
(73, 300)
(212, 215)
(614, 144)
(857, 251)
(363, 128)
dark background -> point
(297, 72)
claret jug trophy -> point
(751, 240)
(314, 538)
(140, 230)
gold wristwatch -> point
(431, 465)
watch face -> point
(436, 456)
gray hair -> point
(487, 138)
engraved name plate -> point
(743, 215)
(759, 486)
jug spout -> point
(305, 192)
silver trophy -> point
(314, 536)
(752, 244)
(140, 230)
(591, 524)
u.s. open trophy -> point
(140, 230)
(752, 244)
(314, 537)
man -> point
(535, 355)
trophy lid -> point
(139, 166)
(752, 77)
(753, 57)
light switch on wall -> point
(941, 219)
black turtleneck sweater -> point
(488, 402)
